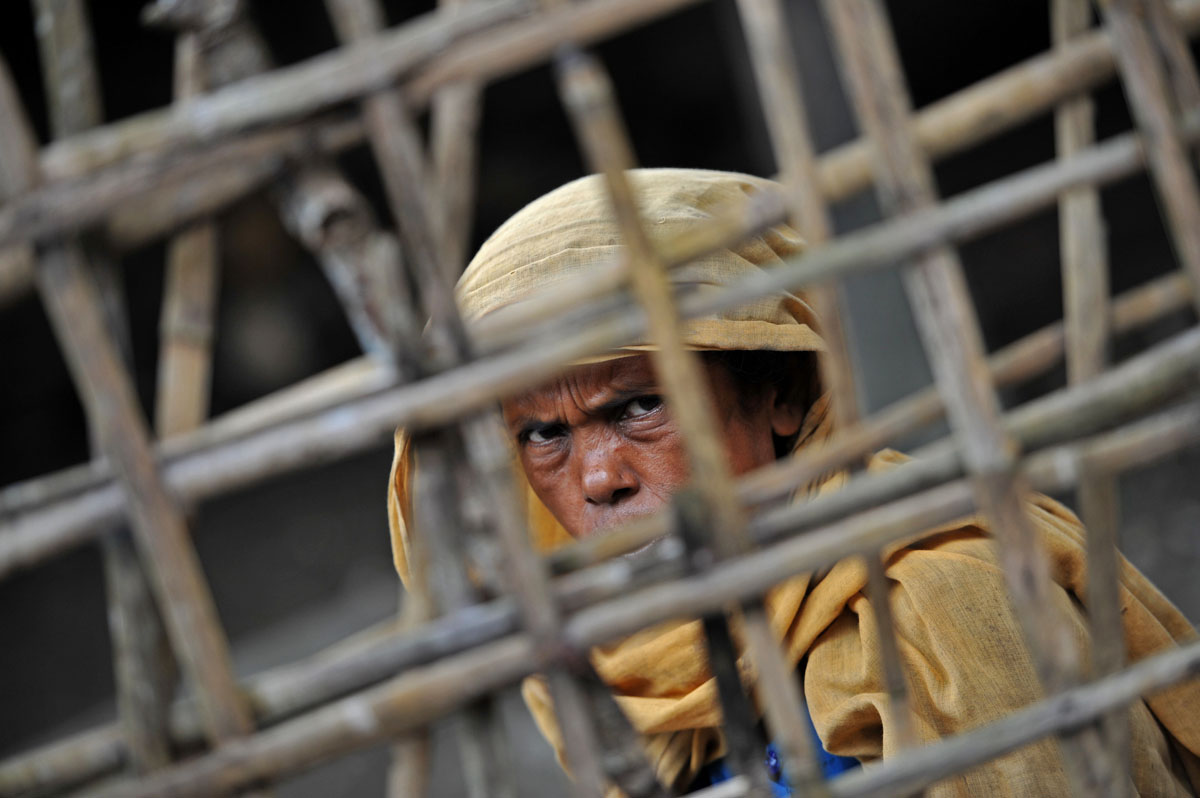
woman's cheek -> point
(662, 462)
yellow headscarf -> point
(961, 646)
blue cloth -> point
(831, 765)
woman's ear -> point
(787, 413)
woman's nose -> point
(606, 478)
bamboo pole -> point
(1084, 256)
(417, 696)
(397, 147)
(900, 776)
(359, 378)
(588, 96)
(216, 172)
(942, 306)
(209, 469)
(327, 80)
(143, 666)
(158, 523)
(780, 93)
(779, 86)
(319, 206)
(947, 323)
(289, 94)
(185, 358)
(454, 122)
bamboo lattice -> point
(238, 125)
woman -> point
(598, 447)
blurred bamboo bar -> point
(1084, 256)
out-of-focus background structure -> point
(300, 561)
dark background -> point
(303, 560)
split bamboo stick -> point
(398, 150)
(780, 90)
(454, 122)
(185, 359)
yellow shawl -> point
(961, 645)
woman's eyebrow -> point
(523, 424)
(617, 400)
(622, 398)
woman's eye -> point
(643, 405)
(543, 434)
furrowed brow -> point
(620, 399)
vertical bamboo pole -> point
(780, 89)
(439, 521)
(1147, 89)
(143, 667)
(397, 147)
(947, 322)
(1172, 42)
(781, 95)
(185, 358)
(598, 748)
(1080, 222)
(316, 203)
(455, 116)
(588, 96)
(1086, 334)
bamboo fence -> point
(239, 125)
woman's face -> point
(599, 446)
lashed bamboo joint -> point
(492, 611)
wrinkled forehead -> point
(585, 388)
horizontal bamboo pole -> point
(338, 432)
(995, 104)
(220, 169)
(350, 73)
(279, 96)
(420, 695)
(277, 694)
